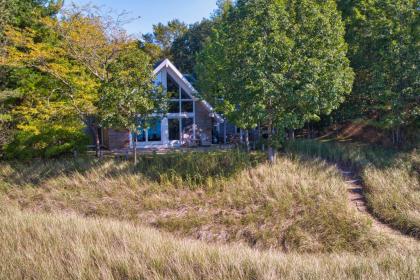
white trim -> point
(191, 90)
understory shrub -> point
(49, 142)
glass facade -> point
(180, 101)
(179, 125)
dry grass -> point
(46, 246)
(394, 194)
(391, 178)
(291, 206)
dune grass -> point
(292, 206)
(391, 178)
(89, 219)
(63, 246)
(393, 193)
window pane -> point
(141, 135)
(187, 124)
(187, 129)
(173, 127)
(173, 88)
(184, 95)
(173, 107)
(158, 79)
(187, 106)
(154, 131)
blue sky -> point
(154, 11)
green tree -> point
(46, 126)
(383, 38)
(277, 64)
(77, 51)
(18, 14)
(164, 35)
(185, 48)
(130, 98)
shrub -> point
(49, 142)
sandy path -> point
(358, 200)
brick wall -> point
(116, 139)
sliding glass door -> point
(181, 129)
(174, 129)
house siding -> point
(204, 123)
(117, 139)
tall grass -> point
(354, 155)
(62, 246)
(391, 178)
(394, 194)
(195, 168)
(290, 206)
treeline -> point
(274, 64)
(381, 44)
(65, 71)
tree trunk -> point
(254, 140)
(271, 150)
(247, 140)
(135, 149)
(292, 134)
(94, 130)
(396, 136)
(271, 155)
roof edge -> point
(168, 64)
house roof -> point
(168, 64)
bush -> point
(50, 142)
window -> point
(141, 135)
(172, 88)
(158, 80)
(179, 100)
(173, 107)
(187, 125)
(154, 132)
(187, 107)
(174, 129)
(184, 95)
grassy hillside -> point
(291, 206)
(393, 193)
(391, 178)
(59, 246)
(223, 215)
